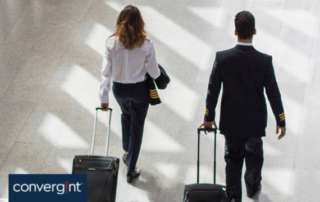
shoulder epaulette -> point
(148, 39)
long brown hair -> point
(130, 28)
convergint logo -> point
(56, 188)
(46, 187)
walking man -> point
(244, 73)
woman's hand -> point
(105, 106)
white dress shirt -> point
(244, 44)
(126, 66)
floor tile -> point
(7, 75)
(276, 176)
(59, 161)
(46, 127)
(25, 158)
(142, 189)
(265, 198)
(34, 76)
(14, 115)
(304, 159)
(171, 191)
(7, 141)
(303, 185)
(4, 181)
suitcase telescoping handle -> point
(94, 130)
(214, 153)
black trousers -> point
(134, 102)
(236, 150)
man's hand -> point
(282, 133)
(105, 106)
(208, 125)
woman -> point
(129, 56)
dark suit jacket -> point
(244, 73)
(161, 82)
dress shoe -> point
(254, 193)
(132, 175)
(124, 158)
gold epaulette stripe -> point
(154, 93)
(206, 112)
(282, 117)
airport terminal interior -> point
(50, 62)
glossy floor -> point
(50, 61)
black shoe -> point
(124, 158)
(254, 193)
(132, 175)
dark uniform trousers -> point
(134, 102)
(238, 149)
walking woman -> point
(128, 57)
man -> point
(245, 73)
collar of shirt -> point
(244, 44)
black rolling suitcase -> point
(102, 171)
(205, 192)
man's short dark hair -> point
(245, 24)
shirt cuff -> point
(154, 78)
(104, 99)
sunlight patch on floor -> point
(57, 133)
(98, 34)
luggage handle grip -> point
(101, 108)
(207, 130)
(94, 130)
(214, 153)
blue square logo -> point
(49, 188)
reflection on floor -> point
(50, 60)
